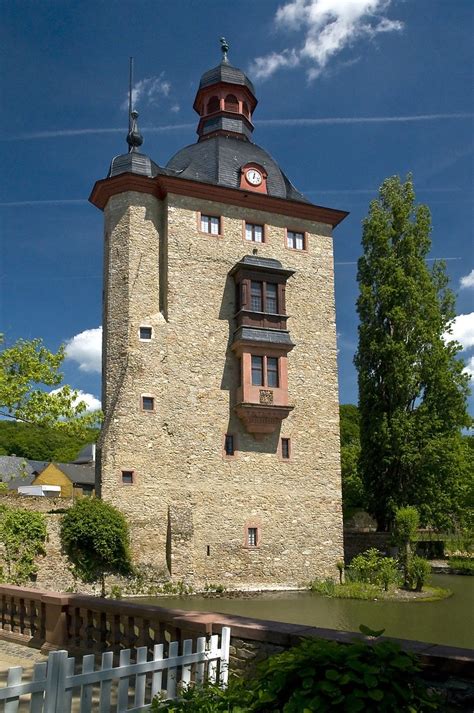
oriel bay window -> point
(261, 343)
(264, 297)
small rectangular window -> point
(285, 448)
(148, 403)
(272, 372)
(127, 477)
(257, 370)
(252, 536)
(210, 224)
(254, 232)
(256, 296)
(145, 332)
(229, 444)
(295, 240)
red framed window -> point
(211, 224)
(254, 233)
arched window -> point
(231, 103)
(213, 105)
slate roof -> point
(267, 336)
(86, 454)
(218, 160)
(80, 474)
(18, 471)
(225, 72)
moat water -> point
(449, 621)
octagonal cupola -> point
(225, 101)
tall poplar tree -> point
(412, 389)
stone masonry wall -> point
(189, 506)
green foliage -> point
(215, 588)
(406, 524)
(412, 389)
(352, 485)
(348, 590)
(465, 565)
(419, 572)
(208, 698)
(35, 442)
(27, 370)
(321, 676)
(460, 542)
(94, 535)
(22, 534)
(371, 567)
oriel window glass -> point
(272, 371)
(256, 296)
(271, 298)
(257, 370)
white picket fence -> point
(54, 685)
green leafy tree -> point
(412, 389)
(45, 443)
(27, 370)
(22, 535)
(95, 537)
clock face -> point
(253, 176)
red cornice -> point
(160, 186)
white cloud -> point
(469, 370)
(462, 330)
(90, 400)
(86, 349)
(329, 26)
(175, 108)
(149, 91)
(467, 281)
(264, 67)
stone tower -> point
(221, 436)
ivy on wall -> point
(22, 536)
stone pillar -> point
(55, 614)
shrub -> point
(319, 676)
(94, 535)
(406, 525)
(371, 567)
(419, 571)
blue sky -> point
(370, 89)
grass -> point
(371, 592)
